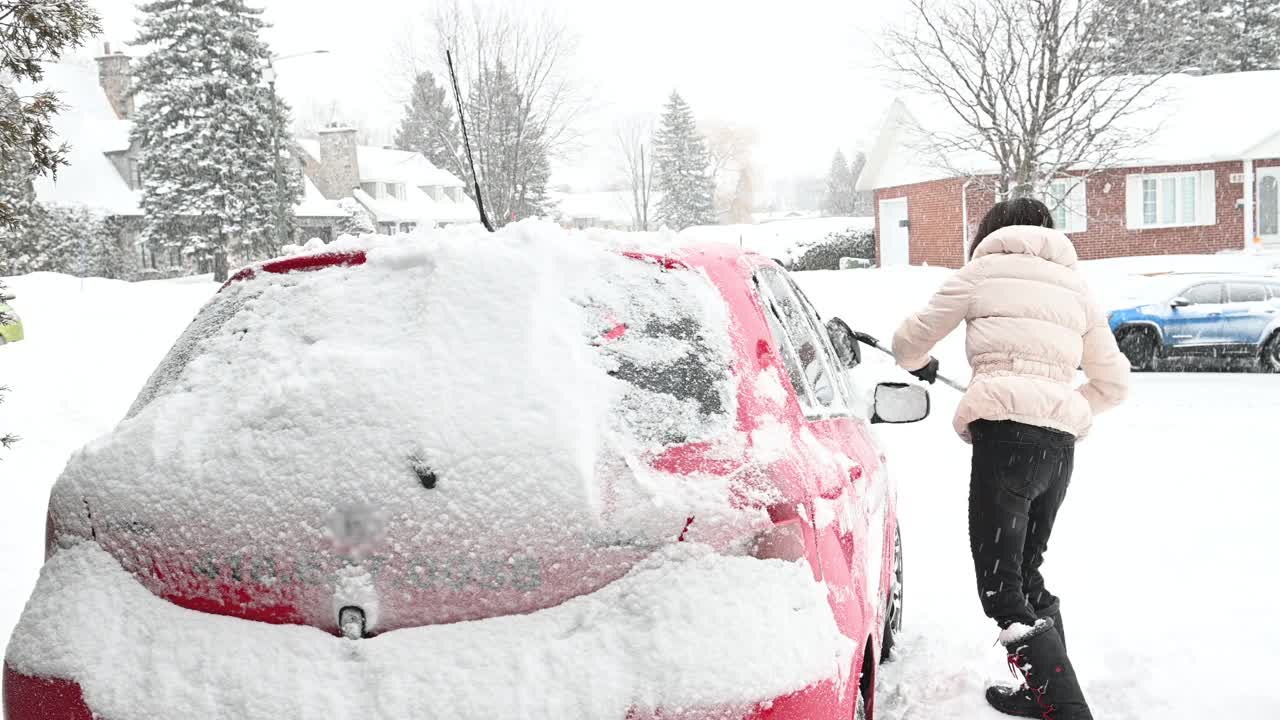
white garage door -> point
(895, 243)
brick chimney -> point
(339, 166)
(116, 80)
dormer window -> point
(384, 190)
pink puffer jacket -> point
(1031, 323)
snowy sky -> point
(800, 72)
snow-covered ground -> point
(1162, 553)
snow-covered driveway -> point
(1163, 553)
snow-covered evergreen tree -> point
(686, 186)
(510, 151)
(841, 197)
(18, 207)
(208, 130)
(1245, 35)
(360, 222)
(1213, 36)
(430, 125)
(68, 239)
(33, 32)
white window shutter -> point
(1207, 205)
(1133, 201)
(1077, 210)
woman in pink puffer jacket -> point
(1031, 323)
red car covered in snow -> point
(511, 476)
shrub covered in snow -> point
(825, 254)
(69, 239)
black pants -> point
(1020, 476)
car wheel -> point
(1271, 353)
(894, 603)
(1139, 346)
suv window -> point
(1206, 294)
(816, 363)
(1274, 290)
(1239, 293)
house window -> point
(135, 174)
(373, 189)
(395, 190)
(1171, 200)
(1066, 200)
(455, 193)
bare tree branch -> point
(1030, 87)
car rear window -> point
(208, 323)
(660, 330)
(660, 333)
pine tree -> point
(33, 32)
(18, 208)
(841, 197)
(430, 125)
(1245, 36)
(683, 179)
(208, 132)
(1214, 36)
(510, 152)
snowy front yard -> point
(1160, 553)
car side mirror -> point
(898, 403)
(846, 345)
(1179, 302)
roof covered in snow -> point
(90, 127)
(1192, 120)
(315, 205)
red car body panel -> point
(854, 557)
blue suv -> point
(1203, 318)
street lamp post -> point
(269, 75)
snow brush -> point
(866, 339)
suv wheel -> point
(1139, 346)
(1271, 353)
(893, 606)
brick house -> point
(1206, 179)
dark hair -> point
(1019, 211)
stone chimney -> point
(339, 166)
(116, 80)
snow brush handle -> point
(869, 340)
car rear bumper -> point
(29, 698)
(694, 634)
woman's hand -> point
(928, 373)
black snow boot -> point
(1054, 611)
(1050, 690)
